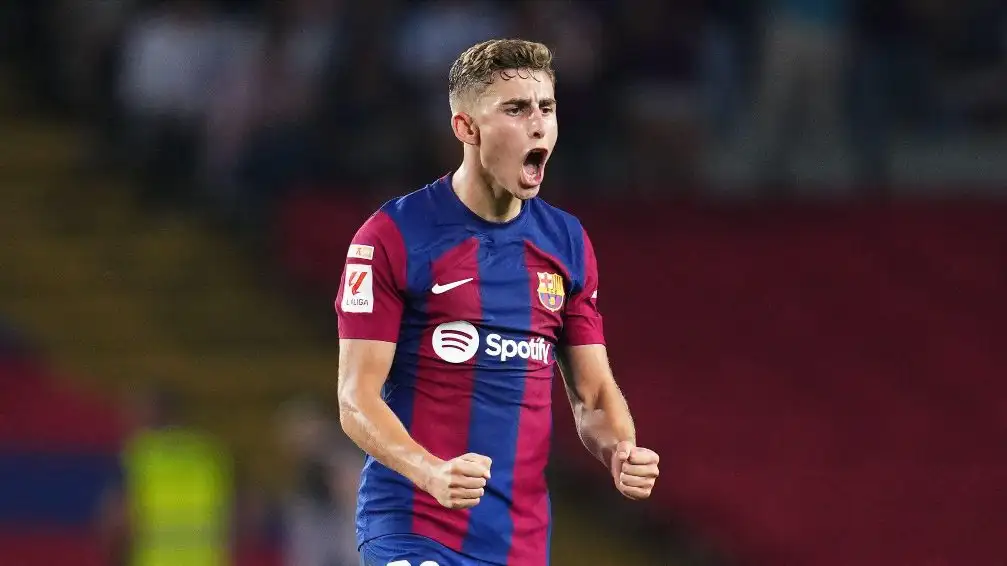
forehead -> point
(518, 83)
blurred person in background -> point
(656, 66)
(457, 438)
(431, 34)
(169, 58)
(357, 104)
(967, 43)
(174, 504)
(318, 512)
(254, 141)
(799, 104)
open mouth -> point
(534, 166)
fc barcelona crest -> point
(550, 291)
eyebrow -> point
(522, 102)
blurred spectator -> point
(726, 61)
(804, 54)
(967, 45)
(254, 143)
(367, 118)
(657, 94)
(318, 513)
(169, 63)
(432, 34)
(175, 503)
(883, 58)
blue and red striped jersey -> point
(477, 310)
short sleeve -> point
(371, 290)
(582, 324)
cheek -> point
(499, 143)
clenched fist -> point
(459, 483)
(634, 470)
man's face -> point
(516, 120)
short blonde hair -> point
(477, 67)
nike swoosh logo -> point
(438, 289)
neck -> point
(490, 203)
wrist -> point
(606, 451)
(425, 470)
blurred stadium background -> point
(798, 206)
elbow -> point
(345, 419)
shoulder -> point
(401, 215)
(417, 205)
(550, 216)
(561, 235)
(560, 231)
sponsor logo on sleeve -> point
(358, 290)
(361, 251)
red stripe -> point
(443, 391)
(530, 514)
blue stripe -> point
(497, 395)
(54, 489)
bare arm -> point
(368, 420)
(600, 411)
(604, 422)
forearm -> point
(605, 421)
(372, 425)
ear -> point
(465, 128)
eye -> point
(548, 110)
(513, 111)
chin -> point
(526, 193)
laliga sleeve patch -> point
(358, 290)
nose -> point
(536, 129)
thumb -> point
(623, 450)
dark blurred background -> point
(798, 208)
